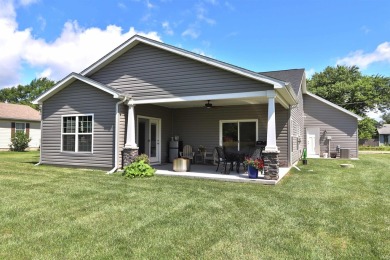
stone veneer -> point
(271, 165)
(129, 155)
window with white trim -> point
(20, 127)
(238, 135)
(77, 133)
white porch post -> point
(271, 126)
(130, 134)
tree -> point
(348, 88)
(367, 128)
(385, 118)
(26, 94)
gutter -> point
(116, 135)
(40, 146)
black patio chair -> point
(222, 159)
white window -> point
(20, 127)
(77, 133)
(238, 135)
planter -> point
(304, 162)
(252, 172)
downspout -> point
(40, 145)
(116, 135)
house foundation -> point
(271, 165)
(129, 155)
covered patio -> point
(209, 172)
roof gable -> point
(133, 41)
(18, 112)
(71, 78)
(334, 105)
(294, 76)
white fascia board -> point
(288, 95)
(333, 105)
(137, 39)
(70, 79)
(203, 97)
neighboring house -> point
(144, 92)
(15, 118)
(384, 134)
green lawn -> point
(321, 212)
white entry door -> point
(313, 142)
(149, 135)
(154, 141)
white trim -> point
(238, 129)
(70, 79)
(333, 105)
(76, 133)
(204, 97)
(130, 43)
(159, 134)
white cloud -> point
(122, 6)
(201, 52)
(363, 60)
(192, 32)
(201, 15)
(27, 2)
(309, 72)
(42, 22)
(149, 4)
(167, 28)
(74, 50)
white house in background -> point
(384, 134)
(14, 118)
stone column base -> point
(129, 155)
(271, 165)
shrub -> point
(138, 169)
(142, 157)
(19, 142)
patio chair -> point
(187, 152)
(222, 159)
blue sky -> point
(54, 38)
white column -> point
(130, 134)
(271, 126)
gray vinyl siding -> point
(297, 129)
(147, 72)
(165, 114)
(339, 125)
(199, 126)
(79, 98)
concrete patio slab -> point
(208, 172)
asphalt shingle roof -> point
(294, 76)
(384, 130)
(18, 112)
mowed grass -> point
(320, 212)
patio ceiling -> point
(216, 102)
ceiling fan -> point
(210, 105)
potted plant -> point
(254, 166)
(304, 156)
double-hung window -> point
(20, 127)
(77, 133)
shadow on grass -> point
(35, 162)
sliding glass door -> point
(238, 135)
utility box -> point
(344, 153)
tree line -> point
(345, 86)
(25, 94)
